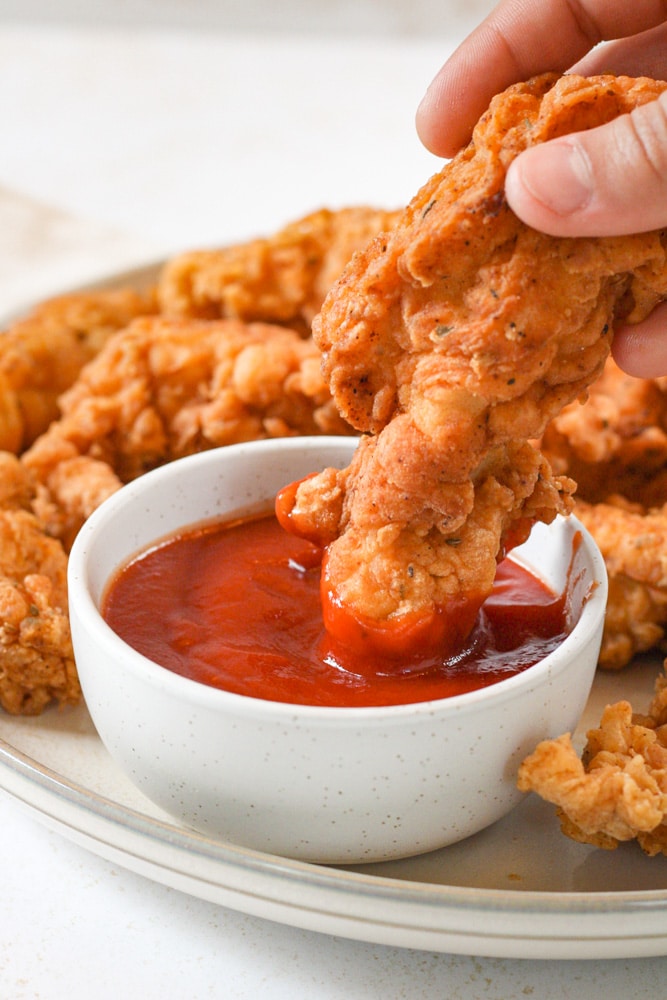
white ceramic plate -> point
(517, 890)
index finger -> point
(519, 39)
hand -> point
(607, 181)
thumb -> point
(608, 181)
(641, 350)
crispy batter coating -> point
(462, 332)
(395, 568)
(164, 388)
(36, 658)
(616, 440)
(157, 390)
(279, 279)
(617, 791)
(42, 354)
(466, 333)
(633, 541)
(73, 487)
(635, 621)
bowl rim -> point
(83, 607)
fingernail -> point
(558, 175)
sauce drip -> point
(238, 607)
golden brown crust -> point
(394, 567)
(618, 437)
(42, 354)
(617, 791)
(279, 279)
(635, 621)
(616, 442)
(36, 658)
(633, 542)
(458, 336)
(94, 411)
(165, 388)
(462, 297)
(614, 445)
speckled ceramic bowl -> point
(339, 785)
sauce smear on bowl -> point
(236, 605)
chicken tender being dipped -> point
(451, 342)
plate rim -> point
(421, 915)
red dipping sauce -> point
(236, 605)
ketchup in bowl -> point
(236, 605)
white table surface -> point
(118, 146)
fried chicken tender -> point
(633, 542)
(617, 439)
(618, 436)
(74, 486)
(36, 658)
(42, 354)
(93, 411)
(164, 388)
(453, 340)
(635, 621)
(281, 279)
(617, 791)
(401, 567)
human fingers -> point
(644, 54)
(641, 350)
(517, 40)
(608, 181)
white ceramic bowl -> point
(335, 785)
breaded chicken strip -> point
(403, 554)
(635, 621)
(278, 279)
(36, 658)
(454, 339)
(633, 541)
(42, 354)
(165, 388)
(616, 442)
(618, 790)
